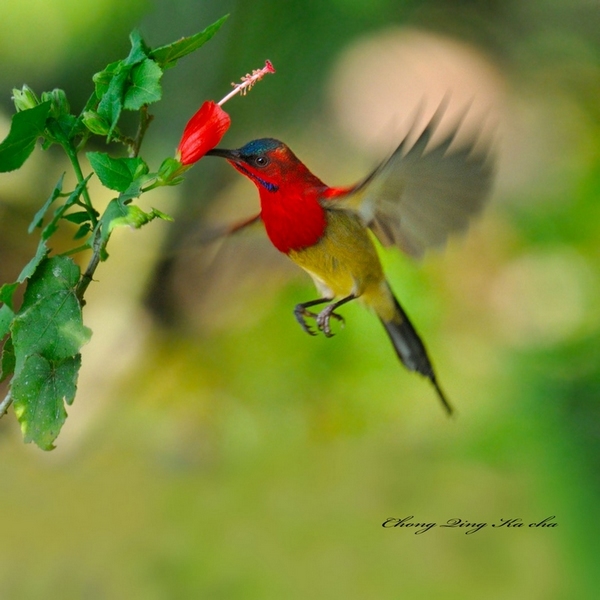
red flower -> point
(202, 133)
(206, 128)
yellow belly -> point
(345, 262)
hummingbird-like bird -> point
(413, 200)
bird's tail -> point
(410, 349)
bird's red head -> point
(289, 192)
(270, 164)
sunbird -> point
(413, 200)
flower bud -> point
(202, 133)
(95, 123)
(25, 98)
(60, 104)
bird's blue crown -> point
(260, 146)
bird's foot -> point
(301, 314)
(324, 318)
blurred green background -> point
(216, 451)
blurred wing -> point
(421, 195)
(208, 236)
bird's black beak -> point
(233, 155)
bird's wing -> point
(422, 194)
(210, 235)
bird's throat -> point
(292, 221)
(270, 187)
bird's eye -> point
(261, 161)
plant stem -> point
(72, 154)
(88, 276)
(145, 120)
(5, 404)
(98, 244)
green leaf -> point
(119, 214)
(77, 217)
(139, 50)
(47, 334)
(103, 78)
(136, 217)
(7, 292)
(111, 104)
(7, 361)
(49, 321)
(26, 127)
(39, 392)
(145, 85)
(32, 265)
(73, 198)
(65, 127)
(39, 215)
(82, 231)
(116, 173)
(113, 82)
(167, 56)
(6, 317)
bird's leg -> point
(325, 315)
(301, 312)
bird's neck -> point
(292, 215)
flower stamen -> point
(248, 81)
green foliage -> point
(119, 214)
(43, 337)
(167, 56)
(47, 334)
(39, 215)
(6, 317)
(40, 390)
(26, 127)
(117, 173)
(145, 85)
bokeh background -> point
(216, 451)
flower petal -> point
(203, 132)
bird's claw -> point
(301, 314)
(324, 318)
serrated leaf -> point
(139, 50)
(39, 215)
(115, 210)
(32, 265)
(136, 217)
(47, 334)
(167, 56)
(112, 83)
(103, 78)
(145, 85)
(7, 291)
(39, 392)
(111, 104)
(118, 214)
(49, 321)
(112, 172)
(26, 127)
(6, 317)
(7, 361)
(68, 125)
(116, 173)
